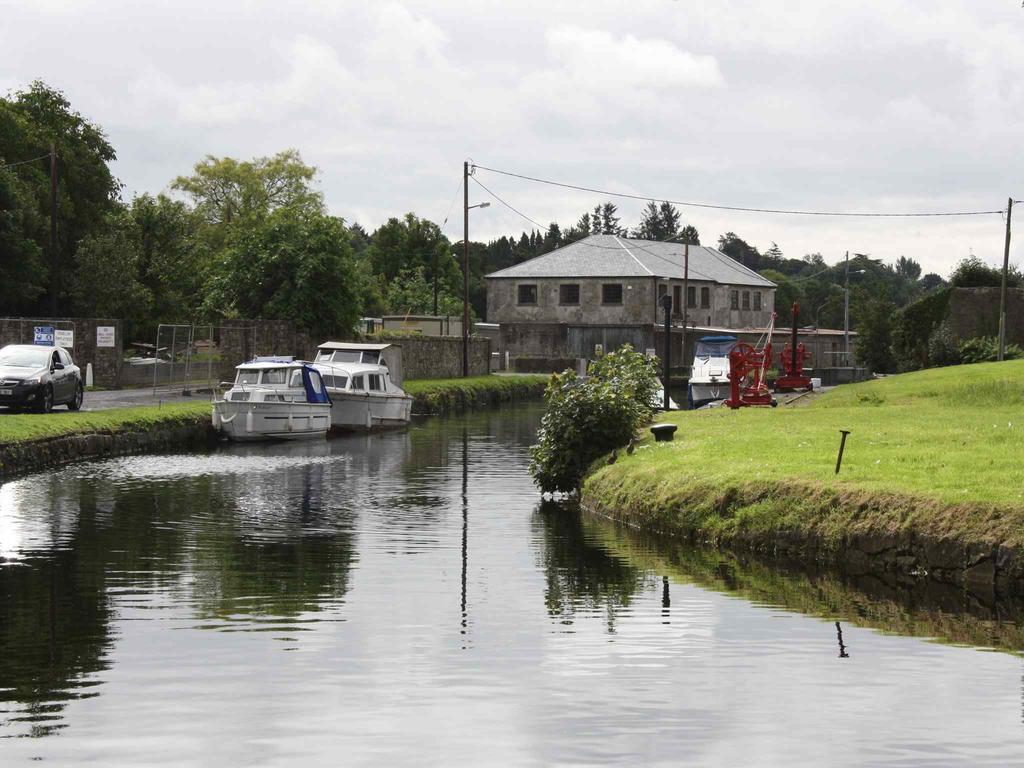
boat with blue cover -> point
(274, 398)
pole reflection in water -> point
(842, 648)
(465, 527)
(666, 601)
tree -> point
(87, 191)
(292, 265)
(908, 268)
(972, 272)
(412, 242)
(412, 293)
(931, 281)
(735, 247)
(689, 234)
(225, 189)
(772, 257)
(552, 238)
(873, 347)
(106, 282)
(658, 222)
(22, 269)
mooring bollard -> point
(842, 447)
(663, 433)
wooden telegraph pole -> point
(54, 268)
(1002, 290)
(686, 300)
(465, 269)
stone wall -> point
(106, 361)
(440, 357)
(975, 312)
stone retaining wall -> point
(106, 361)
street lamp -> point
(846, 306)
(465, 266)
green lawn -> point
(22, 427)
(944, 442)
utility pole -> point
(846, 314)
(1002, 290)
(434, 270)
(686, 300)
(54, 270)
(465, 269)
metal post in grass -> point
(842, 447)
(666, 304)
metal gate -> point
(184, 357)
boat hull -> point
(703, 392)
(248, 422)
(352, 411)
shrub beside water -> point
(587, 418)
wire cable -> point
(452, 205)
(690, 204)
(514, 210)
(23, 162)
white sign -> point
(104, 335)
(65, 339)
(43, 335)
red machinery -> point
(791, 362)
(748, 368)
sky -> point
(867, 106)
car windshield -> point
(25, 357)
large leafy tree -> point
(107, 280)
(87, 192)
(292, 265)
(225, 189)
(411, 242)
(412, 293)
(735, 247)
(22, 269)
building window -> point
(611, 293)
(527, 294)
(691, 296)
(569, 293)
(677, 299)
(746, 299)
(705, 298)
(734, 299)
(662, 289)
(757, 299)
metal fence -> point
(185, 357)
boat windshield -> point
(714, 348)
(248, 377)
(275, 376)
(295, 381)
(339, 356)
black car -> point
(39, 377)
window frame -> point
(519, 295)
(757, 301)
(691, 293)
(705, 297)
(604, 295)
(734, 300)
(562, 302)
(745, 300)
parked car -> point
(39, 378)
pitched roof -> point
(614, 256)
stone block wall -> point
(440, 357)
(106, 361)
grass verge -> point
(438, 396)
(21, 428)
(933, 456)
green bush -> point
(586, 418)
(985, 349)
(942, 346)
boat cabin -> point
(351, 353)
(280, 380)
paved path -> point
(107, 400)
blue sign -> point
(43, 336)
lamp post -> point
(465, 266)
(846, 307)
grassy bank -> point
(438, 396)
(933, 473)
(28, 427)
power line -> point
(452, 204)
(23, 162)
(507, 205)
(647, 198)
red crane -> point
(791, 362)
(748, 369)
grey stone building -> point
(605, 290)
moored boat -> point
(709, 374)
(274, 398)
(362, 386)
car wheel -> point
(76, 402)
(46, 401)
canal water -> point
(406, 599)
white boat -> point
(709, 375)
(274, 398)
(362, 386)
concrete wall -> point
(639, 304)
(106, 361)
(975, 312)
